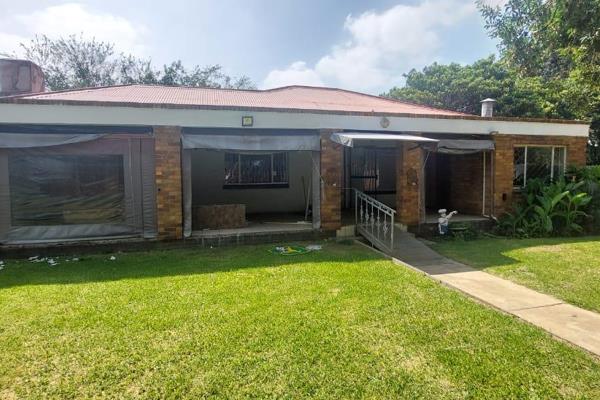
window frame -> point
(526, 146)
(260, 185)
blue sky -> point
(360, 45)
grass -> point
(567, 268)
(241, 322)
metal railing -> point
(374, 220)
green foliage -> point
(549, 66)
(461, 88)
(590, 178)
(558, 41)
(461, 231)
(547, 209)
(75, 62)
(548, 38)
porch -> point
(417, 176)
(240, 186)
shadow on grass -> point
(491, 252)
(164, 263)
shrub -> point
(555, 208)
(590, 176)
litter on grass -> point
(50, 261)
(295, 250)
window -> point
(66, 189)
(538, 162)
(255, 170)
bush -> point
(546, 209)
(462, 231)
(590, 176)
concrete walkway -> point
(570, 323)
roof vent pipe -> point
(487, 107)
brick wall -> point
(331, 185)
(168, 182)
(465, 180)
(409, 176)
(504, 159)
(455, 182)
(219, 216)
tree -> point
(75, 62)
(461, 88)
(548, 38)
(549, 66)
(558, 40)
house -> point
(167, 163)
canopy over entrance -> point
(251, 139)
(348, 138)
(463, 146)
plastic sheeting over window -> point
(66, 189)
(95, 189)
(538, 162)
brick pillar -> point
(577, 151)
(331, 185)
(409, 171)
(503, 165)
(168, 182)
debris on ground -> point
(295, 250)
(50, 261)
(112, 258)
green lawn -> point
(567, 268)
(241, 322)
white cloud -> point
(496, 3)
(9, 43)
(74, 19)
(382, 46)
(297, 73)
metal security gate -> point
(374, 221)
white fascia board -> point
(104, 115)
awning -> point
(252, 142)
(26, 140)
(463, 146)
(348, 138)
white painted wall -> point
(208, 169)
(102, 115)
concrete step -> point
(347, 231)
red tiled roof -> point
(302, 98)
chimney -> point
(20, 77)
(487, 107)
